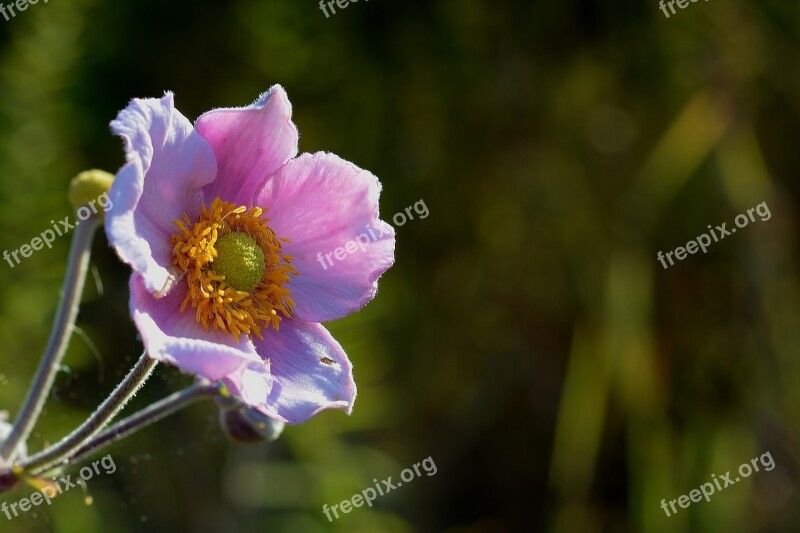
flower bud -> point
(246, 424)
(8, 480)
(90, 188)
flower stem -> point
(141, 420)
(107, 410)
(77, 266)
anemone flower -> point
(222, 224)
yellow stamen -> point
(218, 305)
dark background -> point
(527, 339)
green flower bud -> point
(91, 188)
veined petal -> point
(310, 372)
(250, 143)
(167, 166)
(178, 339)
(322, 204)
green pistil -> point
(240, 259)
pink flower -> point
(222, 225)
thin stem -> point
(77, 266)
(107, 410)
(142, 419)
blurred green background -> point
(527, 339)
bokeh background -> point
(527, 339)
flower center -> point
(240, 259)
(234, 269)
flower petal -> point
(322, 203)
(252, 383)
(310, 372)
(168, 164)
(249, 143)
(176, 338)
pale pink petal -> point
(250, 143)
(167, 166)
(310, 372)
(178, 339)
(322, 203)
(252, 383)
